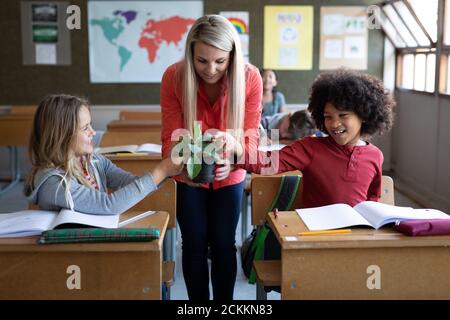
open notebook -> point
(367, 213)
(34, 222)
(150, 148)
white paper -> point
(287, 57)
(288, 35)
(149, 148)
(45, 53)
(355, 24)
(136, 218)
(94, 220)
(25, 223)
(333, 49)
(333, 24)
(354, 48)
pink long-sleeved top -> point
(211, 116)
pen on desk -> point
(275, 212)
(313, 233)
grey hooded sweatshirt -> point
(51, 193)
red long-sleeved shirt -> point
(211, 116)
(331, 173)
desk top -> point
(134, 125)
(288, 225)
(157, 220)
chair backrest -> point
(139, 115)
(117, 138)
(387, 190)
(263, 192)
(163, 199)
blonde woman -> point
(67, 174)
(214, 86)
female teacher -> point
(214, 86)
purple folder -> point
(431, 227)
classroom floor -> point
(14, 200)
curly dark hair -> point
(353, 91)
(301, 125)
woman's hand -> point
(223, 170)
(229, 144)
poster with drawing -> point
(288, 37)
(343, 38)
(240, 20)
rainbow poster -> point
(240, 19)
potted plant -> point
(202, 155)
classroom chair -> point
(139, 115)
(263, 191)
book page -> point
(149, 148)
(380, 214)
(115, 149)
(25, 223)
(94, 220)
(333, 216)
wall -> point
(421, 148)
(28, 84)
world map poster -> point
(135, 41)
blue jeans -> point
(209, 217)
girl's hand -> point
(185, 179)
(166, 168)
(224, 169)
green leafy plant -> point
(202, 151)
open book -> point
(131, 148)
(367, 213)
(34, 222)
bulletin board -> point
(343, 38)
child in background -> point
(291, 126)
(67, 174)
(341, 167)
(273, 100)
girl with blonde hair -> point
(214, 86)
(66, 173)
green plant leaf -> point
(194, 166)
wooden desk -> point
(137, 164)
(125, 270)
(341, 266)
(152, 125)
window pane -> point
(447, 23)
(393, 16)
(408, 71)
(391, 32)
(419, 72)
(431, 68)
(426, 11)
(412, 24)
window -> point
(411, 25)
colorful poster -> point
(288, 37)
(343, 38)
(135, 41)
(240, 21)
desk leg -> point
(244, 210)
(14, 163)
(169, 245)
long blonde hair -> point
(216, 31)
(53, 138)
